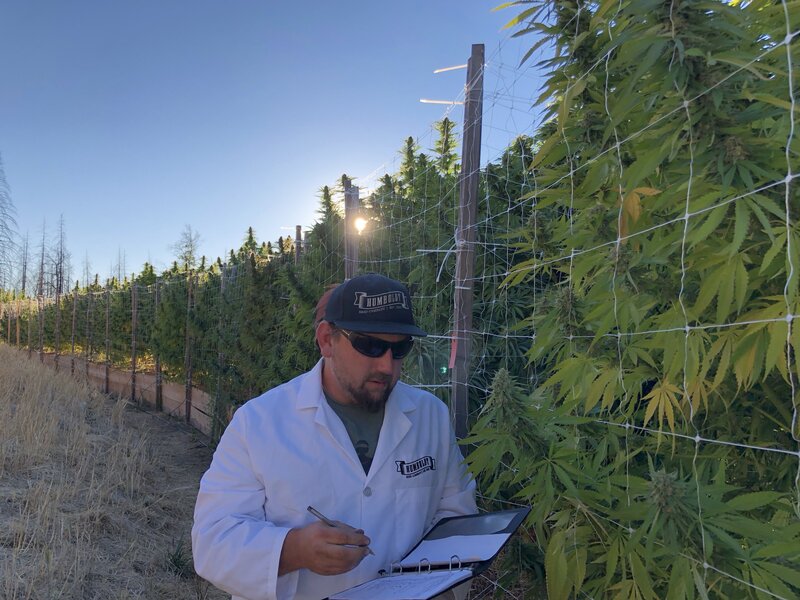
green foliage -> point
(179, 561)
(445, 147)
(638, 261)
(666, 261)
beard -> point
(369, 400)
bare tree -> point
(41, 277)
(187, 248)
(122, 268)
(61, 271)
(24, 257)
(87, 270)
(8, 227)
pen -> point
(329, 523)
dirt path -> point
(182, 455)
(96, 496)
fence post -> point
(134, 314)
(72, 337)
(159, 397)
(106, 385)
(18, 314)
(465, 239)
(30, 323)
(187, 357)
(215, 414)
(57, 336)
(89, 330)
(40, 305)
(298, 244)
(351, 205)
(87, 344)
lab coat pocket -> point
(287, 506)
(413, 512)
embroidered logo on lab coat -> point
(417, 467)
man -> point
(373, 454)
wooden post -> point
(134, 314)
(40, 306)
(18, 315)
(298, 244)
(351, 206)
(187, 357)
(159, 396)
(89, 331)
(72, 337)
(30, 324)
(87, 344)
(465, 240)
(216, 421)
(106, 385)
(57, 336)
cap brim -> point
(378, 327)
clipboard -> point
(454, 550)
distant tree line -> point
(244, 323)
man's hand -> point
(323, 549)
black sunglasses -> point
(375, 347)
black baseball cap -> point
(372, 303)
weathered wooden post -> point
(134, 319)
(465, 239)
(187, 357)
(159, 396)
(351, 206)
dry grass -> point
(96, 500)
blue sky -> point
(134, 119)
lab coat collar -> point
(310, 397)
(395, 422)
(310, 392)
(395, 427)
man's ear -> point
(324, 337)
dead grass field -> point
(96, 498)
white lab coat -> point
(287, 450)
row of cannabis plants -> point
(245, 323)
(661, 451)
